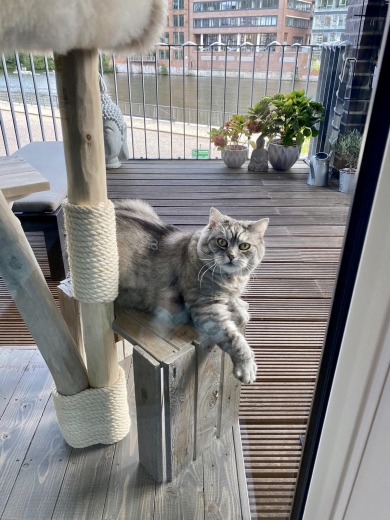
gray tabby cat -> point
(203, 273)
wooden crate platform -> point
(289, 297)
(43, 478)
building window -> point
(178, 37)
(297, 39)
(181, 20)
(178, 55)
(285, 39)
(298, 5)
(243, 21)
(302, 23)
(164, 55)
(235, 5)
(177, 4)
(166, 38)
(175, 21)
(336, 21)
(208, 39)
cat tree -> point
(91, 404)
(201, 395)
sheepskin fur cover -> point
(62, 25)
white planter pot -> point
(234, 158)
(347, 181)
(283, 157)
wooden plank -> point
(183, 498)
(20, 420)
(221, 488)
(131, 490)
(289, 309)
(229, 402)
(41, 474)
(208, 364)
(18, 178)
(148, 395)
(13, 364)
(134, 332)
(179, 336)
(274, 288)
(179, 392)
(292, 271)
(242, 483)
(83, 490)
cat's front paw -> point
(245, 370)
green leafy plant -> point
(348, 147)
(291, 116)
(163, 70)
(235, 134)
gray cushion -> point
(48, 158)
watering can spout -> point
(319, 170)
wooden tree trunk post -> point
(28, 288)
(81, 118)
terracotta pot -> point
(283, 157)
(234, 158)
(348, 179)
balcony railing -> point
(169, 105)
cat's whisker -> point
(208, 269)
(212, 274)
(203, 266)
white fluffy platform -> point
(62, 25)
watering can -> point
(319, 169)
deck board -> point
(289, 299)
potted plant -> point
(347, 148)
(286, 119)
(233, 139)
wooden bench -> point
(43, 211)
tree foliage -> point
(24, 60)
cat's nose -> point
(230, 256)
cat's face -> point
(232, 246)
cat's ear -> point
(259, 226)
(215, 217)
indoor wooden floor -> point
(289, 300)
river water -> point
(218, 94)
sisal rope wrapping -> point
(93, 251)
(95, 415)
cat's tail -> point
(138, 208)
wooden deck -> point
(289, 303)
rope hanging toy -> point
(93, 251)
(95, 415)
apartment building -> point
(232, 23)
(259, 22)
(329, 20)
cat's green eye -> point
(244, 246)
(221, 242)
